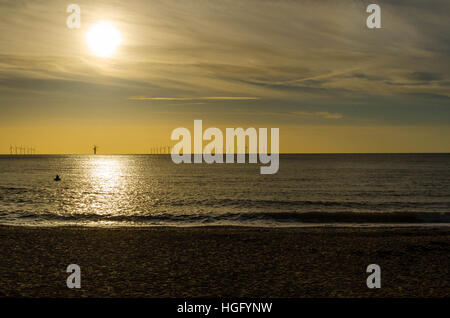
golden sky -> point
(311, 68)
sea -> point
(358, 190)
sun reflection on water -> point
(108, 183)
(106, 171)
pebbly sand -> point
(224, 262)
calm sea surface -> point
(141, 190)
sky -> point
(311, 68)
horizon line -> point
(280, 153)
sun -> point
(103, 39)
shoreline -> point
(237, 226)
(224, 261)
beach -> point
(224, 261)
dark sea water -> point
(141, 190)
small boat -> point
(57, 178)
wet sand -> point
(224, 262)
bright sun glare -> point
(103, 39)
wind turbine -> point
(95, 149)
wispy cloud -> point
(211, 98)
(314, 53)
(324, 115)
